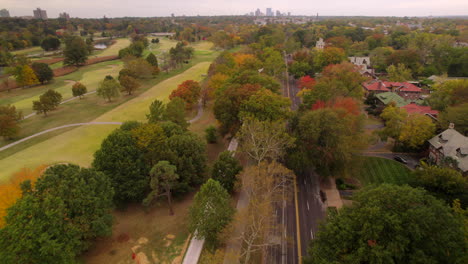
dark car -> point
(400, 159)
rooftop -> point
(389, 97)
(454, 145)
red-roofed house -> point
(413, 108)
(403, 89)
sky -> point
(151, 8)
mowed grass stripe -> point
(78, 145)
(379, 170)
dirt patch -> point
(50, 61)
(123, 238)
(64, 70)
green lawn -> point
(114, 49)
(379, 170)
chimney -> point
(451, 125)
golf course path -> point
(199, 114)
(56, 128)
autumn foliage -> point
(306, 82)
(189, 91)
(350, 105)
(10, 191)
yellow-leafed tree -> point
(10, 190)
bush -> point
(211, 135)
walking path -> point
(199, 114)
(196, 245)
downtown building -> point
(40, 14)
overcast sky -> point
(144, 8)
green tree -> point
(329, 55)
(163, 178)
(417, 130)
(444, 183)
(79, 89)
(75, 52)
(456, 115)
(151, 59)
(210, 212)
(211, 134)
(390, 224)
(448, 93)
(274, 63)
(129, 84)
(265, 105)
(124, 163)
(50, 43)
(43, 72)
(225, 170)
(9, 118)
(394, 121)
(48, 101)
(138, 67)
(26, 77)
(299, 69)
(398, 73)
(175, 112)
(108, 88)
(157, 111)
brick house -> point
(450, 144)
(413, 108)
(406, 90)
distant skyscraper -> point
(278, 13)
(269, 12)
(64, 15)
(289, 13)
(257, 12)
(4, 13)
(40, 14)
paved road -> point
(57, 128)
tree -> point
(26, 77)
(456, 115)
(215, 83)
(175, 112)
(138, 67)
(394, 121)
(299, 69)
(59, 217)
(274, 63)
(330, 55)
(108, 88)
(157, 111)
(124, 163)
(448, 93)
(50, 43)
(329, 138)
(340, 80)
(75, 52)
(43, 72)
(163, 178)
(225, 170)
(417, 130)
(9, 118)
(398, 73)
(211, 134)
(444, 183)
(306, 83)
(210, 212)
(265, 105)
(151, 59)
(48, 101)
(264, 140)
(79, 89)
(189, 91)
(151, 140)
(375, 230)
(129, 84)
(378, 58)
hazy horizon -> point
(150, 8)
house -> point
(389, 97)
(404, 89)
(413, 108)
(363, 64)
(320, 45)
(450, 145)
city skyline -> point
(148, 8)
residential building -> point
(320, 45)
(413, 108)
(64, 15)
(450, 148)
(386, 98)
(404, 89)
(40, 14)
(363, 63)
(4, 13)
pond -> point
(100, 46)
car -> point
(400, 159)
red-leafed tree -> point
(306, 82)
(350, 105)
(189, 91)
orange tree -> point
(189, 91)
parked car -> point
(400, 159)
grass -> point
(114, 49)
(164, 44)
(27, 51)
(155, 225)
(79, 144)
(379, 170)
(89, 75)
